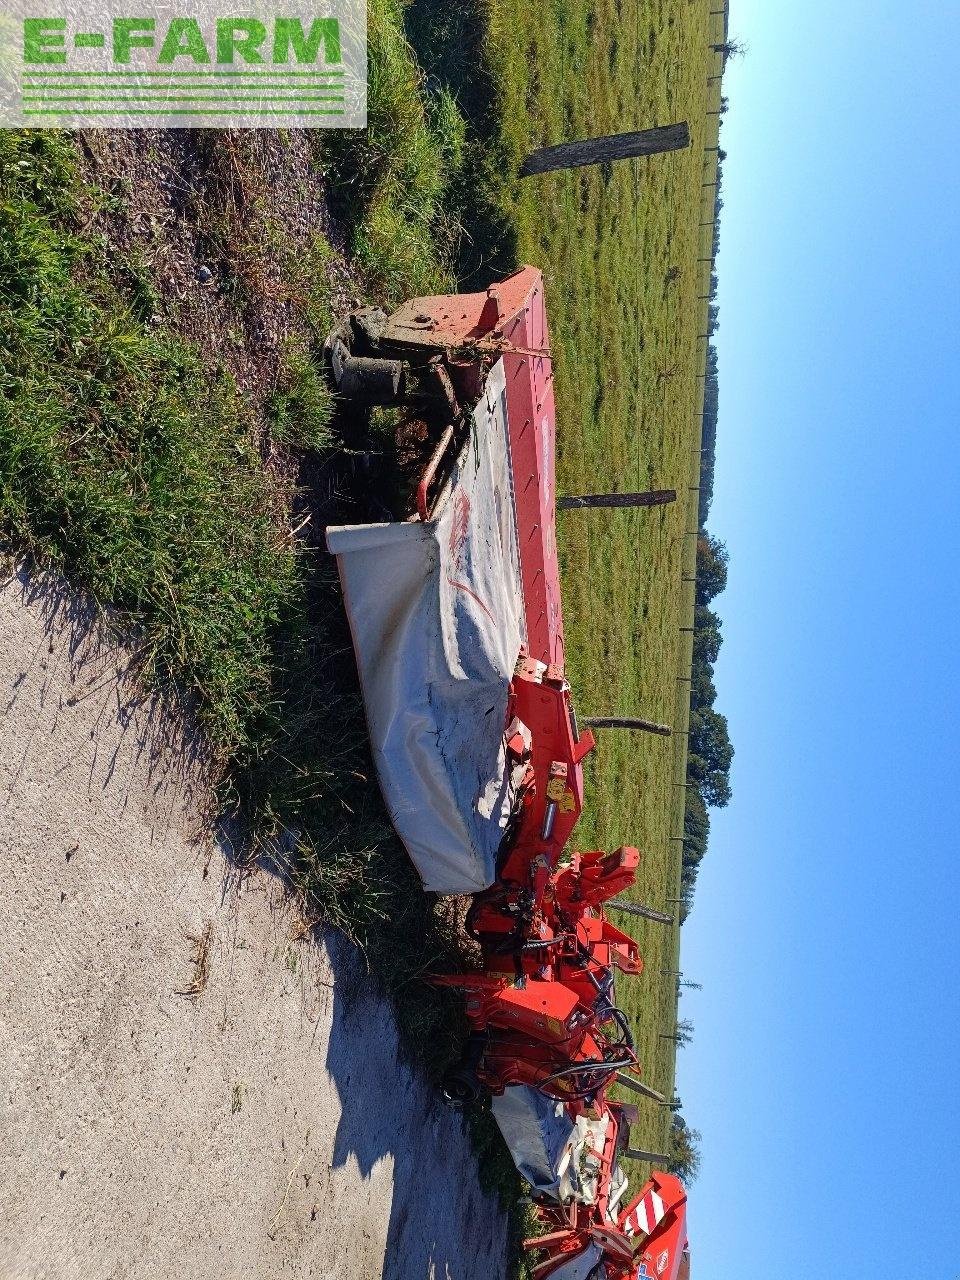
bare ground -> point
(188, 1086)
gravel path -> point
(265, 1127)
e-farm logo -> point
(96, 65)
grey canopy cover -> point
(436, 612)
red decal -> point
(462, 586)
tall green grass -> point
(132, 467)
(392, 182)
(127, 464)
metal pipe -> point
(549, 818)
(423, 510)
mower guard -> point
(550, 1148)
(663, 1253)
(539, 1133)
(436, 612)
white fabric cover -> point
(582, 1266)
(436, 612)
(539, 1133)
(589, 1138)
(554, 1153)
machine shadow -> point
(441, 1224)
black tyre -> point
(460, 1088)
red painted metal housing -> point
(565, 932)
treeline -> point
(710, 752)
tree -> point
(712, 777)
(706, 635)
(712, 560)
(703, 692)
(730, 49)
(687, 886)
(710, 740)
(709, 753)
(717, 790)
(696, 829)
(708, 430)
(685, 1149)
(684, 1032)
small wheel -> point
(370, 380)
(460, 1087)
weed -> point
(200, 959)
(132, 275)
(390, 181)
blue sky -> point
(825, 1070)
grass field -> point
(619, 248)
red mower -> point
(458, 630)
(543, 1012)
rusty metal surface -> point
(462, 319)
(509, 320)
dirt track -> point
(265, 1128)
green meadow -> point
(619, 246)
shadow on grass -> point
(449, 41)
